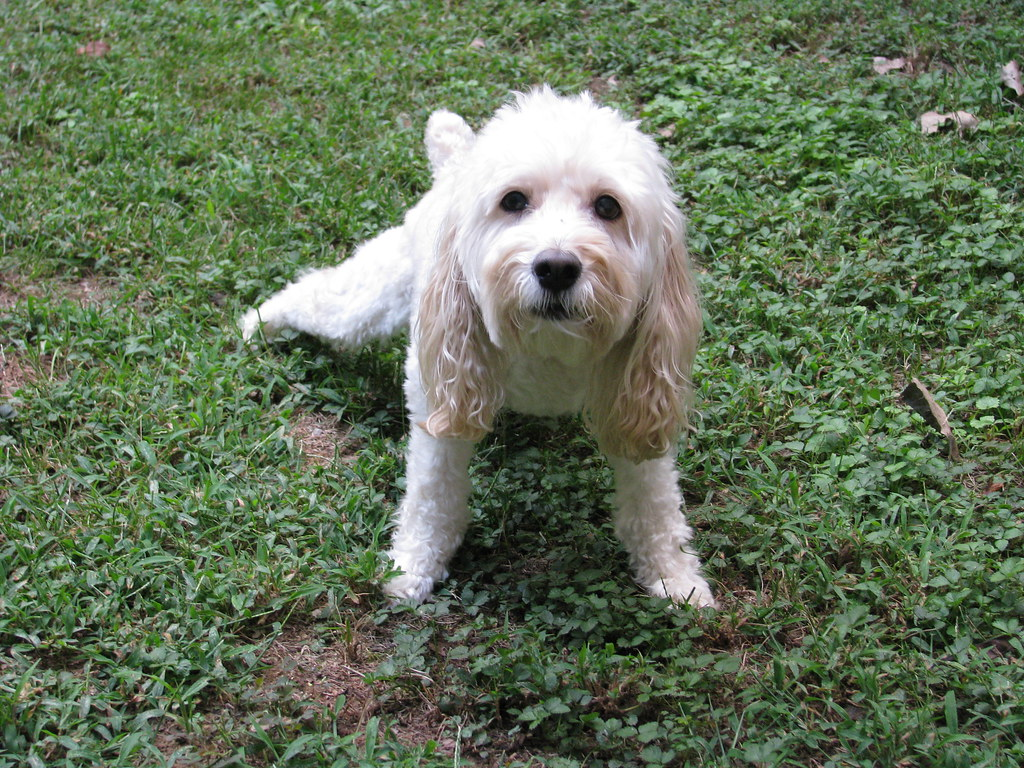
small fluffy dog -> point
(545, 271)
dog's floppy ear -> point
(643, 389)
(459, 364)
(447, 138)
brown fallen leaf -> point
(1010, 74)
(884, 66)
(965, 122)
(932, 122)
(599, 86)
(478, 42)
(995, 486)
(94, 48)
(917, 396)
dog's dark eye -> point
(514, 202)
(607, 207)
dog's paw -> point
(684, 589)
(249, 324)
(256, 323)
(408, 587)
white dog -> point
(545, 271)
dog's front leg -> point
(650, 523)
(433, 516)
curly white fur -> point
(545, 271)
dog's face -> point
(560, 239)
(555, 205)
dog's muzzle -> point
(556, 272)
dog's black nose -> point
(556, 270)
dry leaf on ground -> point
(932, 122)
(884, 66)
(94, 48)
(1010, 74)
(917, 396)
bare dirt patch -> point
(321, 439)
(8, 298)
(85, 290)
(90, 290)
(312, 674)
(13, 374)
(335, 673)
(322, 674)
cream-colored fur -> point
(545, 271)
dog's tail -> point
(368, 296)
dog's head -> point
(562, 237)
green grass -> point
(182, 585)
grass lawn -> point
(191, 530)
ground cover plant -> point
(190, 530)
